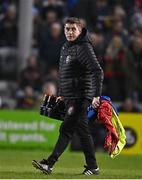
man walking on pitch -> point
(80, 84)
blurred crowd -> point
(115, 29)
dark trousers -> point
(75, 121)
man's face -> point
(72, 31)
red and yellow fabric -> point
(115, 139)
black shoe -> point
(88, 171)
(42, 166)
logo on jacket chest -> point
(68, 59)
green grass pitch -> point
(16, 164)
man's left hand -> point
(96, 102)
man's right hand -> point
(59, 98)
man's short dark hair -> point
(73, 20)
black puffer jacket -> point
(80, 75)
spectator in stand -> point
(83, 22)
(26, 99)
(31, 75)
(136, 19)
(133, 66)
(50, 17)
(56, 6)
(51, 44)
(44, 26)
(8, 27)
(128, 106)
(119, 30)
(114, 69)
(98, 41)
(103, 12)
(119, 13)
